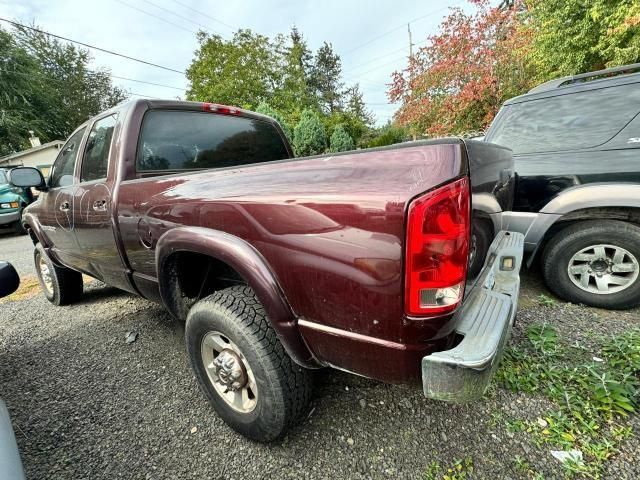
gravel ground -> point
(85, 404)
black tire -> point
(284, 388)
(18, 228)
(482, 236)
(66, 284)
(571, 240)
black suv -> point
(576, 145)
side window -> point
(96, 154)
(565, 122)
(185, 140)
(62, 171)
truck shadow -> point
(96, 291)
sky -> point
(370, 36)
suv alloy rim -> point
(45, 273)
(229, 372)
(603, 269)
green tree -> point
(309, 136)
(23, 97)
(325, 79)
(293, 92)
(266, 109)
(47, 86)
(356, 107)
(79, 92)
(340, 140)
(575, 36)
(241, 71)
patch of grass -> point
(432, 471)
(29, 287)
(592, 395)
(546, 300)
(460, 470)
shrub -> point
(309, 136)
(387, 135)
(340, 140)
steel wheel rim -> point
(45, 274)
(214, 347)
(603, 269)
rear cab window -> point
(572, 121)
(173, 141)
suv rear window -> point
(184, 140)
(565, 122)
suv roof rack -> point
(586, 77)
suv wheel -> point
(60, 285)
(596, 263)
(242, 367)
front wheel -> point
(596, 263)
(18, 228)
(60, 285)
(242, 367)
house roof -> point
(44, 146)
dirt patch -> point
(29, 287)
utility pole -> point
(410, 62)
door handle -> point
(64, 206)
(100, 205)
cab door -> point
(97, 244)
(57, 203)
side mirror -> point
(9, 279)
(27, 177)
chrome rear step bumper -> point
(485, 319)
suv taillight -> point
(438, 231)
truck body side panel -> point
(331, 229)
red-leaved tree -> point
(457, 82)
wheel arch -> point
(240, 257)
(620, 201)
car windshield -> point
(3, 177)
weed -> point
(432, 471)
(545, 300)
(591, 397)
(460, 470)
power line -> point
(89, 71)
(394, 61)
(156, 16)
(87, 45)
(141, 95)
(147, 83)
(94, 72)
(170, 12)
(398, 28)
(46, 77)
(206, 15)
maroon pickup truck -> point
(391, 263)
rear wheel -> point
(596, 263)
(60, 285)
(242, 367)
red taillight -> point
(223, 109)
(438, 230)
